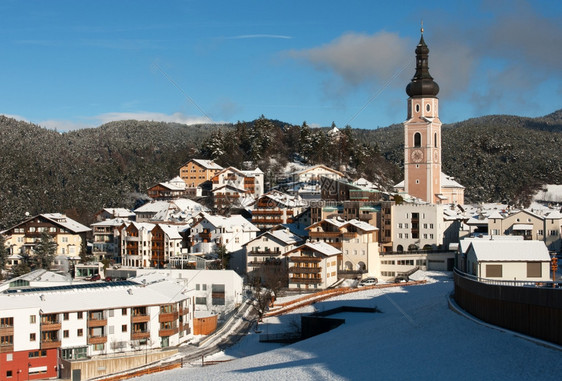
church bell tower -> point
(422, 133)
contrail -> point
(181, 90)
(378, 92)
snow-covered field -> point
(415, 337)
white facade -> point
(269, 245)
(421, 225)
(508, 260)
(100, 319)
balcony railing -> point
(305, 259)
(50, 326)
(167, 317)
(305, 280)
(97, 323)
(168, 332)
(305, 270)
(47, 344)
(264, 253)
(140, 335)
(140, 318)
(97, 339)
(6, 348)
(313, 234)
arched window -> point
(399, 248)
(428, 107)
(436, 145)
(417, 139)
(417, 107)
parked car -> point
(401, 279)
(93, 278)
(368, 282)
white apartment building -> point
(269, 246)
(44, 328)
(418, 226)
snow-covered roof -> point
(98, 296)
(119, 212)
(319, 247)
(554, 215)
(284, 235)
(176, 184)
(65, 222)
(173, 231)
(207, 164)
(449, 182)
(365, 226)
(510, 250)
(284, 199)
(495, 215)
(229, 222)
(319, 166)
(115, 222)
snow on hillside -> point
(415, 337)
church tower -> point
(422, 133)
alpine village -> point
(114, 283)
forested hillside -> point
(497, 158)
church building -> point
(423, 178)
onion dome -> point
(422, 85)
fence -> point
(534, 309)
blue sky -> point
(76, 64)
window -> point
(79, 315)
(9, 357)
(540, 232)
(534, 270)
(32, 337)
(79, 332)
(435, 136)
(399, 235)
(32, 319)
(123, 311)
(65, 334)
(417, 139)
(7, 340)
(425, 226)
(493, 271)
(6, 322)
(65, 316)
(417, 108)
(553, 232)
(124, 328)
(99, 347)
(8, 374)
(427, 107)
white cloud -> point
(96, 121)
(357, 58)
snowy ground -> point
(415, 337)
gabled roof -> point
(119, 212)
(510, 250)
(227, 222)
(207, 164)
(60, 220)
(285, 236)
(230, 187)
(316, 167)
(361, 225)
(173, 231)
(335, 221)
(176, 184)
(319, 247)
(284, 199)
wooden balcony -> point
(333, 235)
(267, 221)
(97, 323)
(140, 318)
(6, 348)
(264, 253)
(305, 259)
(167, 317)
(140, 335)
(184, 311)
(305, 280)
(168, 332)
(7, 331)
(267, 212)
(50, 327)
(350, 235)
(305, 270)
(97, 340)
(50, 344)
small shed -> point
(509, 260)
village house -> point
(177, 210)
(357, 241)
(268, 247)
(512, 260)
(274, 208)
(168, 190)
(69, 235)
(313, 266)
(198, 171)
(234, 187)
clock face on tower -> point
(417, 155)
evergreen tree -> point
(44, 252)
(223, 255)
(85, 257)
(23, 267)
(3, 255)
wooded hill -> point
(497, 158)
